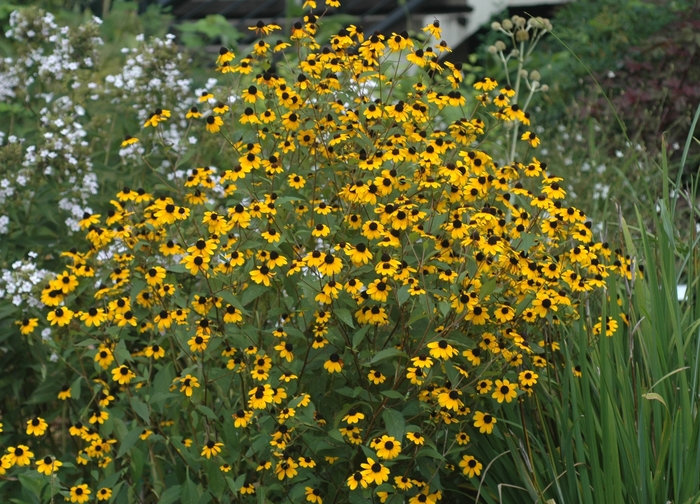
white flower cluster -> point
(152, 78)
(22, 282)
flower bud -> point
(519, 21)
(523, 73)
(537, 22)
(507, 24)
(496, 25)
(535, 75)
(492, 49)
(522, 35)
(500, 45)
(545, 88)
(515, 53)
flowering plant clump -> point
(337, 310)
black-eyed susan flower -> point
(261, 396)
(80, 493)
(387, 448)
(484, 386)
(374, 472)
(334, 364)
(36, 426)
(123, 375)
(262, 275)
(187, 384)
(248, 489)
(313, 495)
(484, 422)
(193, 113)
(329, 265)
(154, 351)
(441, 349)
(470, 466)
(27, 325)
(60, 316)
(450, 399)
(416, 438)
(356, 479)
(129, 140)
(376, 377)
(104, 494)
(198, 343)
(48, 465)
(528, 378)
(242, 418)
(211, 449)
(286, 469)
(214, 123)
(530, 138)
(64, 393)
(353, 417)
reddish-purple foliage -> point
(656, 88)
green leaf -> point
(215, 478)
(392, 394)
(394, 422)
(33, 481)
(487, 288)
(172, 494)
(404, 294)
(359, 336)
(121, 353)
(345, 316)
(253, 292)
(75, 388)
(141, 409)
(207, 412)
(386, 354)
(129, 441)
(190, 492)
(235, 486)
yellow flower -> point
(356, 479)
(388, 448)
(36, 426)
(189, 383)
(376, 377)
(128, 140)
(211, 449)
(313, 495)
(374, 472)
(530, 138)
(48, 465)
(27, 325)
(286, 469)
(214, 123)
(80, 493)
(104, 494)
(484, 422)
(64, 393)
(334, 364)
(470, 466)
(123, 375)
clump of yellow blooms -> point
(360, 277)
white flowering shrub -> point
(66, 103)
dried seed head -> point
(522, 35)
